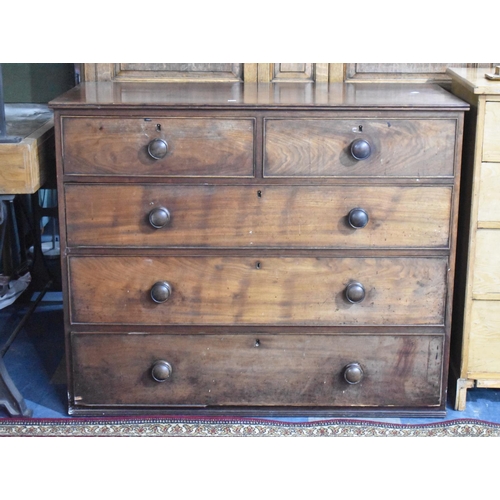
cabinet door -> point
(158, 72)
(404, 72)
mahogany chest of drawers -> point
(269, 249)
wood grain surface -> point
(298, 370)
(258, 291)
(321, 148)
(196, 146)
(258, 216)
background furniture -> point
(476, 331)
(273, 72)
(258, 248)
(24, 166)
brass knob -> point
(353, 373)
(161, 291)
(161, 370)
(360, 149)
(358, 218)
(158, 149)
(355, 292)
(159, 217)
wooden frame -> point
(213, 72)
(404, 72)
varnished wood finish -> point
(196, 147)
(256, 292)
(195, 98)
(321, 148)
(267, 370)
(278, 291)
(476, 335)
(218, 216)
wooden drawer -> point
(484, 339)
(257, 216)
(488, 198)
(258, 290)
(486, 277)
(321, 148)
(272, 370)
(207, 147)
(491, 139)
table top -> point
(23, 119)
(202, 95)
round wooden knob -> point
(158, 149)
(353, 373)
(159, 217)
(161, 370)
(161, 291)
(357, 218)
(360, 149)
(355, 292)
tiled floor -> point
(35, 362)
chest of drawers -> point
(476, 332)
(270, 249)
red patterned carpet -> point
(236, 427)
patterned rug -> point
(235, 427)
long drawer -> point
(181, 146)
(488, 199)
(258, 291)
(395, 148)
(491, 144)
(486, 277)
(484, 339)
(273, 370)
(254, 216)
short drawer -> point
(491, 140)
(484, 339)
(258, 291)
(486, 275)
(207, 147)
(396, 148)
(488, 199)
(258, 216)
(246, 370)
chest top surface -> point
(103, 95)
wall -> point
(36, 82)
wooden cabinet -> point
(476, 332)
(258, 249)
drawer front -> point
(484, 338)
(273, 370)
(207, 147)
(252, 216)
(322, 148)
(486, 274)
(489, 187)
(491, 140)
(258, 291)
